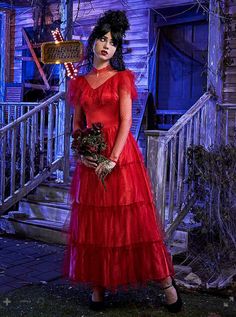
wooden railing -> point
(10, 111)
(32, 147)
(167, 118)
(167, 161)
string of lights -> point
(70, 69)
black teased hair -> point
(117, 23)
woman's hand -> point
(104, 168)
(88, 161)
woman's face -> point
(104, 48)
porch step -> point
(38, 229)
(53, 231)
(43, 214)
(50, 192)
(50, 211)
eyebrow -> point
(107, 37)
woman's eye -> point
(103, 39)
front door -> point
(182, 65)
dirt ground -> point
(59, 300)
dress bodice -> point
(101, 104)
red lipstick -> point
(104, 52)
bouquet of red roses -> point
(90, 142)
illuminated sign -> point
(61, 52)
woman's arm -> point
(127, 92)
(78, 123)
(125, 124)
(123, 131)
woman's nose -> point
(105, 45)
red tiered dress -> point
(115, 238)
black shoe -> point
(174, 307)
(96, 305)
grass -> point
(59, 300)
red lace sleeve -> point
(127, 92)
(127, 83)
(74, 91)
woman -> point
(115, 237)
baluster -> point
(162, 152)
(198, 118)
(13, 161)
(23, 152)
(32, 148)
(41, 136)
(36, 132)
(28, 130)
(57, 132)
(60, 150)
(180, 168)
(66, 167)
(189, 133)
(172, 176)
(15, 108)
(4, 109)
(3, 167)
(50, 135)
(203, 126)
(195, 130)
(189, 143)
(8, 121)
(8, 114)
(163, 202)
(36, 135)
(21, 110)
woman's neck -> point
(103, 70)
(100, 64)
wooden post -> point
(214, 80)
(63, 124)
(156, 164)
